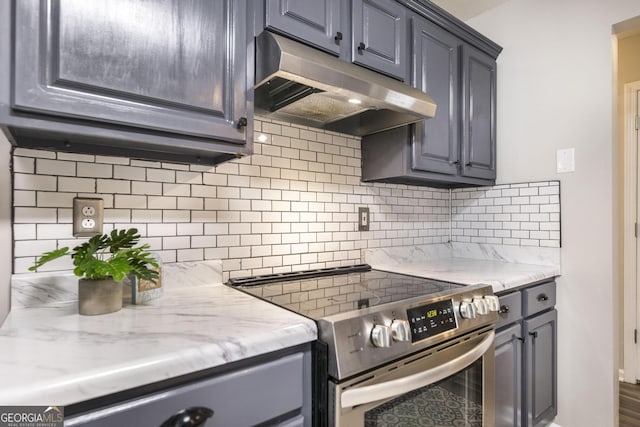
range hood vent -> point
(302, 85)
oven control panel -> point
(431, 319)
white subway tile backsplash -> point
(80, 185)
(24, 198)
(146, 215)
(523, 214)
(34, 182)
(55, 167)
(115, 186)
(24, 165)
(47, 199)
(129, 172)
(24, 231)
(292, 205)
(115, 160)
(95, 170)
(161, 175)
(123, 201)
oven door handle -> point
(397, 387)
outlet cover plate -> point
(566, 160)
(363, 219)
(85, 210)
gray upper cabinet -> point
(169, 67)
(371, 33)
(316, 22)
(457, 147)
(380, 36)
(436, 63)
(479, 114)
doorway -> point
(631, 98)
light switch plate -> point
(566, 160)
(88, 216)
(363, 219)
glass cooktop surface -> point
(318, 297)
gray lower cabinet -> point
(457, 147)
(242, 397)
(526, 357)
(508, 389)
(119, 74)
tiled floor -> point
(629, 405)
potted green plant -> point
(102, 263)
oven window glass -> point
(455, 401)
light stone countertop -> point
(51, 355)
(502, 267)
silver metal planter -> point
(99, 296)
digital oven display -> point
(431, 319)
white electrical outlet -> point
(88, 216)
(88, 210)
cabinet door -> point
(478, 114)
(314, 21)
(163, 65)
(541, 364)
(508, 397)
(243, 397)
(380, 36)
(435, 71)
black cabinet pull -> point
(534, 334)
(361, 48)
(338, 37)
(504, 309)
(454, 162)
(522, 339)
(191, 417)
(469, 164)
(242, 122)
(542, 298)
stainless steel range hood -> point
(299, 84)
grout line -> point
(450, 216)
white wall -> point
(555, 80)
(5, 227)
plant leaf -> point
(123, 239)
(49, 256)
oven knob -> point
(481, 306)
(467, 310)
(381, 336)
(400, 330)
(493, 303)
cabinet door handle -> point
(504, 309)
(338, 36)
(454, 162)
(361, 48)
(542, 298)
(469, 164)
(191, 417)
(242, 122)
(522, 339)
(534, 334)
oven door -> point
(451, 384)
